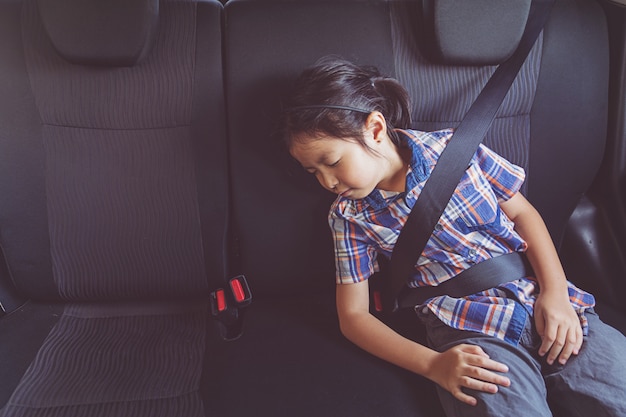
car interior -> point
(163, 255)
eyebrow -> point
(325, 157)
(322, 160)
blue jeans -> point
(590, 384)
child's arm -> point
(462, 366)
(556, 320)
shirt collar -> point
(417, 173)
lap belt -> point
(480, 277)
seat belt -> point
(455, 159)
(229, 292)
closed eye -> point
(334, 164)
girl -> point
(494, 353)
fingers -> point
(463, 397)
(560, 341)
(481, 374)
(478, 374)
(479, 383)
(481, 358)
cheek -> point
(359, 174)
(353, 178)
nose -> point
(328, 181)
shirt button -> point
(438, 227)
(472, 252)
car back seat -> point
(114, 203)
(292, 359)
(115, 162)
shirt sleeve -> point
(355, 258)
(506, 178)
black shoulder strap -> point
(457, 155)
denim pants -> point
(590, 384)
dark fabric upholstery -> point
(109, 33)
(275, 204)
(281, 213)
(563, 116)
(122, 192)
(24, 239)
(539, 100)
(120, 166)
(292, 359)
(153, 94)
(23, 332)
(105, 359)
(108, 166)
(442, 94)
(484, 32)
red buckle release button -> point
(378, 302)
(238, 291)
(220, 297)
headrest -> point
(101, 32)
(476, 32)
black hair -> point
(334, 97)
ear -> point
(376, 126)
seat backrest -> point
(552, 123)
(113, 153)
(280, 213)
(113, 150)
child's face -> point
(343, 167)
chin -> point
(355, 194)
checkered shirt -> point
(472, 229)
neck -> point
(399, 160)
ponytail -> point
(334, 98)
(396, 102)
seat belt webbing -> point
(457, 155)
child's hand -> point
(470, 367)
(558, 325)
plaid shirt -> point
(472, 229)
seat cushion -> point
(117, 359)
(23, 332)
(293, 360)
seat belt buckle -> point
(377, 301)
(382, 304)
(240, 290)
(227, 304)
